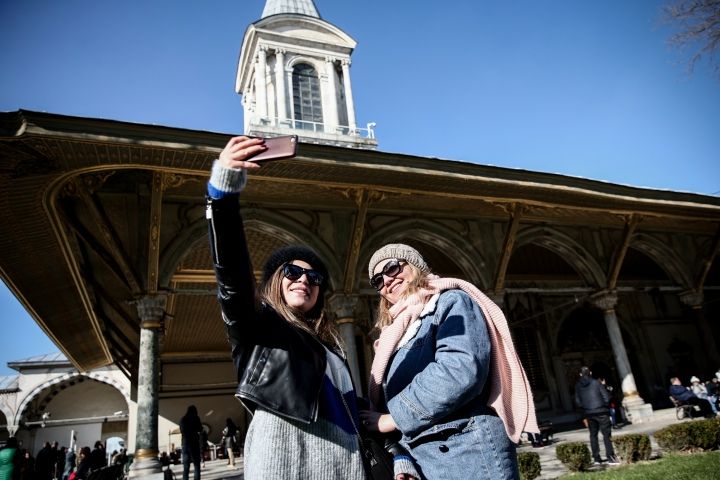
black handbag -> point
(378, 461)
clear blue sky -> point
(588, 89)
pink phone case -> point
(277, 149)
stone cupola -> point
(294, 78)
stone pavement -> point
(551, 467)
(214, 470)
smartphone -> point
(277, 149)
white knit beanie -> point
(401, 252)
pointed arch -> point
(276, 225)
(568, 249)
(66, 378)
(289, 231)
(176, 250)
(7, 412)
(463, 254)
(665, 257)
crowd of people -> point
(53, 462)
(703, 396)
(195, 446)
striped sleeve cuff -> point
(404, 464)
(225, 181)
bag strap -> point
(367, 453)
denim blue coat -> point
(435, 391)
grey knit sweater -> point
(276, 447)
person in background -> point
(229, 434)
(612, 404)
(27, 467)
(685, 395)
(445, 376)
(593, 398)
(700, 391)
(713, 389)
(10, 460)
(304, 422)
(60, 462)
(70, 458)
(191, 429)
(98, 458)
(53, 459)
(45, 463)
(84, 464)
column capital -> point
(605, 300)
(343, 306)
(151, 310)
(280, 51)
(330, 59)
(345, 62)
(691, 298)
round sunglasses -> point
(391, 269)
(294, 272)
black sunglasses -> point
(293, 272)
(391, 269)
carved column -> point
(280, 86)
(694, 300)
(343, 306)
(151, 310)
(331, 120)
(350, 105)
(248, 102)
(558, 366)
(261, 84)
(636, 408)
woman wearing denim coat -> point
(435, 372)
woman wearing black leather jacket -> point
(290, 369)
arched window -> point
(306, 97)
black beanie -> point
(289, 253)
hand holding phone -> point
(277, 149)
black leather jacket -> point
(279, 367)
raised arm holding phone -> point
(290, 365)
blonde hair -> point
(315, 321)
(418, 281)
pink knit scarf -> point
(510, 394)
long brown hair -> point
(419, 280)
(315, 321)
